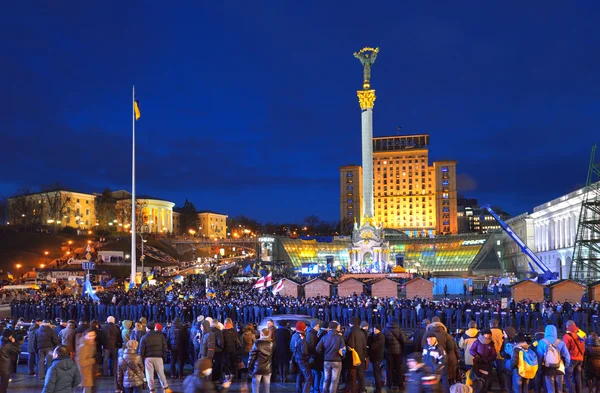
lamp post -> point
(142, 257)
(46, 254)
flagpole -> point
(133, 234)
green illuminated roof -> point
(310, 251)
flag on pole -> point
(136, 109)
(260, 283)
(224, 272)
(89, 290)
(169, 287)
(151, 275)
(269, 280)
(178, 278)
(278, 287)
(10, 276)
(110, 282)
(102, 282)
(144, 284)
(247, 269)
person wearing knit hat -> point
(301, 355)
(300, 327)
(333, 325)
(355, 321)
(158, 327)
(376, 353)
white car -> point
(292, 319)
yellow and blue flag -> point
(10, 276)
(224, 272)
(169, 287)
(136, 109)
(151, 275)
(144, 284)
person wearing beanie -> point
(434, 356)
(130, 372)
(574, 339)
(332, 349)
(8, 349)
(376, 342)
(300, 355)
(153, 350)
(518, 383)
(63, 375)
(466, 342)
(316, 360)
(484, 356)
(113, 341)
(356, 340)
(420, 378)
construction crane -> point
(546, 274)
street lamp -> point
(42, 265)
(18, 266)
(46, 254)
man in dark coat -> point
(63, 375)
(394, 347)
(300, 354)
(113, 340)
(283, 355)
(30, 338)
(259, 361)
(356, 340)
(8, 349)
(315, 359)
(376, 350)
(177, 339)
(44, 341)
(207, 341)
(153, 349)
(231, 348)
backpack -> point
(552, 356)
(528, 364)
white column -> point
(367, 161)
(547, 235)
(561, 232)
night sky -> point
(250, 107)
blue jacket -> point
(550, 335)
(62, 376)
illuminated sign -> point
(266, 239)
(473, 242)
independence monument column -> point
(366, 99)
(368, 251)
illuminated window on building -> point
(444, 169)
(349, 174)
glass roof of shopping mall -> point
(442, 254)
(451, 254)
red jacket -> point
(575, 345)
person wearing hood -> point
(177, 338)
(553, 377)
(466, 342)
(44, 341)
(137, 333)
(592, 362)
(201, 381)
(126, 331)
(498, 341)
(574, 339)
(299, 348)
(130, 371)
(420, 378)
(63, 375)
(506, 351)
(484, 355)
(259, 363)
(207, 342)
(519, 384)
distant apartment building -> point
(350, 196)
(472, 218)
(212, 225)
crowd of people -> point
(342, 338)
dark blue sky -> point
(250, 107)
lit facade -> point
(212, 225)
(350, 196)
(514, 260)
(177, 222)
(409, 194)
(154, 215)
(474, 219)
(453, 255)
(59, 208)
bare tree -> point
(21, 207)
(123, 214)
(106, 210)
(57, 203)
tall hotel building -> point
(410, 195)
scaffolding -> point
(586, 253)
